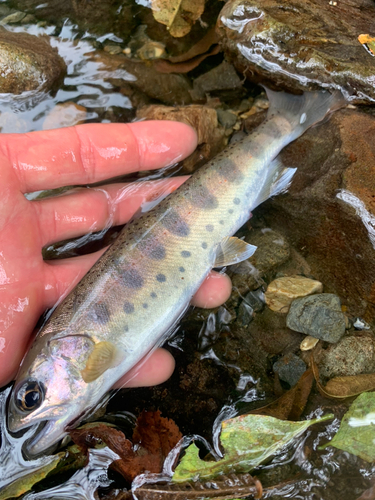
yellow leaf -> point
(177, 15)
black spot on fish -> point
(229, 170)
(161, 278)
(230, 211)
(221, 222)
(145, 305)
(100, 313)
(209, 228)
(181, 269)
(204, 199)
(175, 224)
(152, 248)
(128, 307)
(126, 328)
(185, 254)
(204, 245)
(131, 278)
(236, 201)
(153, 295)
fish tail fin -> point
(303, 111)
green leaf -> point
(247, 441)
(357, 432)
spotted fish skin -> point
(141, 286)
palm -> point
(44, 160)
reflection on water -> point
(84, 84)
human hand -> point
(79, 155)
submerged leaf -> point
(177, 15)
(356, 434)
(291, 404)
(247, 441)
(26, 482)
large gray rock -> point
(301, 45)
(27, 63)
(317, 315)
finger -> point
(214, 291)
(92, 209)
(93, 152)
(153, 370)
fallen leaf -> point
(154, 437)
(369, 42)
(26, 482)
(211, 135)
(356, 433)
(344, 387)
(177, 15)
(291, 404)
(247, 441)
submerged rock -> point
(290, 368)
(301, 45)
(282, 291)
(28, 63)
(318, 315)
(351, 356)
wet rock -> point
(28, 63)
(301, 45)
(14, 17)
(245, 314)
(282, 291)
(351, 356)
(318, 315)
(290, 368)
(65, 115)
(221, 78)
(226, 118)
(11, 123)
(333, 232)
(272, 251)
(166, 88)
(255, 299)
(211, 136)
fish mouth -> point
(45, 439)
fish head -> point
(49, 392)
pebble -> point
(282, 291)
(290, 368)
(360, 324)
(226, 118)
(318, 315)
(65, 115)
(308, 343)
(255, 299)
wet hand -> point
(79, 155)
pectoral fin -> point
(232, 250)
(105, 355)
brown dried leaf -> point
(154, 435)
(291, 404)
(344, 387)
(211, 136)
(164, 66)
(178, 15)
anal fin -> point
(232, 250)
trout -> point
(135, 294)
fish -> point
(133, 297)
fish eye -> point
(29, 396)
